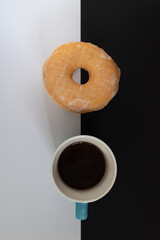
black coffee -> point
(81, 165)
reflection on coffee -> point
(81, 165)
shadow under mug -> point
(83, 197)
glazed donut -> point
(103, 80)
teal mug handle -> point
(81, 211)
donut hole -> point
(80, 76)
(84, 76)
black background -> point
(130, 123)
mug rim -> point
(64, 143)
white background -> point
(31, 124)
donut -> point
(94, 95)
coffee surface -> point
(81, 165)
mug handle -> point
(81, 211)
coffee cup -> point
(84, 196)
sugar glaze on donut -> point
(101, 87)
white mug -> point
(83, 197)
